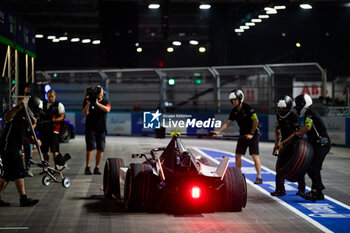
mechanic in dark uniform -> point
(286, 125)
(95, 127)
(248, 123)
(317, 135)
(17, 128)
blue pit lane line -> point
(328, 215)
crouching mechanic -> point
(317, 135)
(17, 127)
(287, 124)
(247, 121)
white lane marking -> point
(285, 204)
(14, 228)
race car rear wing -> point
(218, 171)
(221, 170)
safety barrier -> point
(132, 123)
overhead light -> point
(268, 9)
(194, 42)
(85, 41)
(271, 12)
(55, 40)
(250, 24)
(263, 16)
(204, 6)
(74, 40)
(171, 81)
(51, 37)
(305, 6)
(137, 44)
(170, 49)
(298, 45)
(153, 6)
(202, 49)
(284, 34)
(176, 43)
(39, 36)
(63, 38)
(244, 27)
(239, 30)
(256, 20)
(96, 42)
(282, 7)
(139, 49)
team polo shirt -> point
(288, 125)
(314, 120)
(244, 118)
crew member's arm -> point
(60, 117)
(277, 134)
(61, 113)
(105, 108)
(12, 112)
(85, 111)
(255, 123)
(222, 128)
(306, 128)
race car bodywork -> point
(177, 180)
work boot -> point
(278, 193)
(258, 181)
(27, 201)
(313, 196)
(97, 171)
(2, 203)
(29, 174)
(300, 192)
(88, 171)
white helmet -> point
(236, 94)
(284, 106)
(302, 103)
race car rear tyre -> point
(295, 160)
(234, 191)
(245, 193)
(140, 187)
(111, 182)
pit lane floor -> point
(83, 208)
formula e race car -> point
(177, 180)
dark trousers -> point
(314, 171)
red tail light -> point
(196, 192)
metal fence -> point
(193, 89)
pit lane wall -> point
(126, 123)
